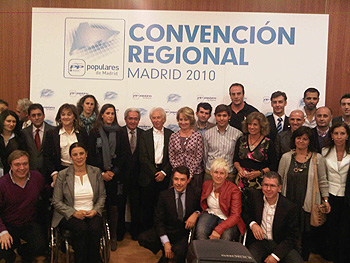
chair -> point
(59, 240)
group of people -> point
(245, 172)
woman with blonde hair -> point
(186, 146)
(255, 153)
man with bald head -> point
(323, 116)
(296, 119)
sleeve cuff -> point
(275, 257)
(252, 223)
(163, 172)
(3, 233)
(164, 239)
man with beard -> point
(311, 98)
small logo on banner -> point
(137, 96)
(74, 93)
(46, 93)
(170, 112)
(202, 98)
(111, 95)
(174, 98)
(94, 48)
(143, 111)
(266, 100)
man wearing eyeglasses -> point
(273, 223)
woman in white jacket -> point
(337, 156)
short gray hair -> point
(24, 104)
(132, 110)
(157, 109)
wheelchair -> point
(59, 241)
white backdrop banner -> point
(171, 59)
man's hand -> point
(214, 235)
(91, 213)
(191, 221)
(257, 231)
(80, 214)
(6, 241)
(270, 259)
(159, 176)
(107, 176)
(167, 249)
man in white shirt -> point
(273, 223)
(155, 171)
(311, 98)
(278, 119)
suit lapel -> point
(260, 204)
(92, 179)
(70, 181)
(151, 144)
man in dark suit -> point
(345, 109)
(155, 166)
(273, 223)
(323, 116)
(278, 120)
(35, 135)
(130, 171)
(176, 213)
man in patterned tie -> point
(278, 120)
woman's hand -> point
(80, 214)
(253, 174)
(242, 173)
(91, 213)
(328, 207)
(107, 175)
(214, 235)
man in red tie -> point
(34, 136)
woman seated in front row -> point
(221, 206)
(79, 197)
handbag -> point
(317, 217)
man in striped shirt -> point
(220, 141)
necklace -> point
(297, 168)
(252, 144)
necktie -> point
(180, 209)
(279, 125)
(37, 139)
(132, 141)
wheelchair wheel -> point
(105, 244)
(53, 245)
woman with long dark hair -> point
(104, 152)
(337, 156)
(10, 138)
(87, 108)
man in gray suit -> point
(34, 136)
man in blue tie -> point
(278, 119)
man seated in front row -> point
(176, 213)
(19, 195)
(273, 221)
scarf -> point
(87, 122)
(108, 144)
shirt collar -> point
(276, 117)
(274, 205)
(156, 131)
(227, 127)
(128, 130)
(177, 193)
(41, 128)
(320, 133)
(13, 181)
(62, 131)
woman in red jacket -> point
(221, 206)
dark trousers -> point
(36, 242)
(261, 249)
(338, 226)
(86, 236)
(149, 200)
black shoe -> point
(134, 237)
(120, 237)
(114, 245)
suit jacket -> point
(52, 149)
(165, 219)
(15, 143)
(148, 165)
(131, 166)
(273, 129)
(282, 143)
(63, 195)
(36, 157)
(320, 142)
(285, 229)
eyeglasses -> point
(269, 185)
